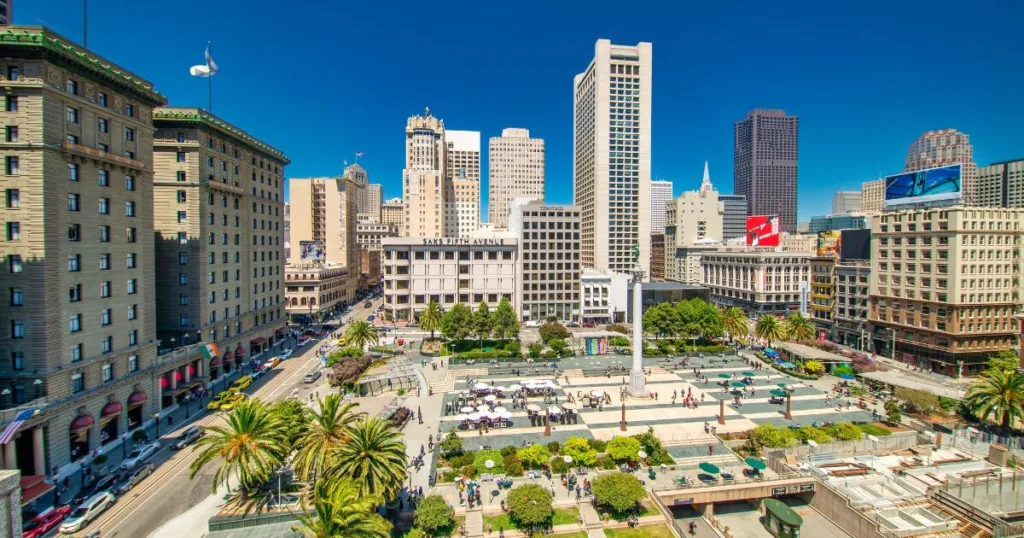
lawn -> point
(577, 534)
(562, 516)
(649, 531)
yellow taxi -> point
(218, 400)
(241, 383)
(272, 363)
(232, 401)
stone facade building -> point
(516, 164)
(759, 281)
(549, 259)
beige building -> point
(661, 195)
(328, 207)
(692, 221)
(287, 231)
(941, 148)
(945, 286)
(314, 290)
(758, 281)
(851, 311)
(464, 208)
(822, 301)
(463, 160)
(80, 325)
(798, 242)
(516, 165)
(369, 236)
(424, 180)
(368, 194)
(872, 197)
(1000, 185)
(447, 270)
(846, 202)
(612, 156)
(392, 213)
(374, 196)
(218, 215)
(549, 259)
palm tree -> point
(374, 457)
(770, 328)
(797, 327)
(734, 321)
(341, 510)
(360, 333)
(998, 392)
(250, 446)
(325, 433)
(430, 320)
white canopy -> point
(501, 410)
(554, 410)
(597, 393)
(514, 387)
(490, 398)
(481, 386)
(467, 409)
(533, 407)
(460, 417)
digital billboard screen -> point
(311, 251)
(829, 243)
(855, 244)
(763, 231)
(931, 185)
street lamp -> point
(280, 472)
(184, 340)
(156, 422)
(124, 445)
(6, 393)
(188, 397)
(39, 386)
(172, 344)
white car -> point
(302, 342)
(286, 353)
(532, 323)
(140, 454)
(88, 511)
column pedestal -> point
(637, 384)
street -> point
(169, 492)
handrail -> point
(699, 484)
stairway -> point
(474, 522)
(470, 372)
(444, 384)
(573, 372)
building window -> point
(181, 137)
(132, 311)
(72, 86)
(103, 125)
(11, 165)
(104, 206)
(181, 157)
(16, 297)
(104, 262)
(133, 337)
(77, 383)
(101, 99)
(182, 217)
(129, 134)
(130, 260)
(129, 208)
(74, 232)
(130, 232)
(105, 288)
(72, 115)
(182, 197)
(75, 323)
(129, 183)
(129, 110)
(72, 172)
(105, 317)
(104, 177)
(76, 352)
(12, 133)
(13, 231)
(12, 103)
(17, 360)
(183, 299)
(73, 202)
(108, 372)
(183, 279)
(104, 234)
(183, 258)
(183, 320)
(13, 198)
(131, 286)
(103, 147)
(74, 263)
(133, 363)
(182, 176)
(14, 263)
(108, 344)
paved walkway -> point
(591, 520)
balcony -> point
(92, 153)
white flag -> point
(207, 70)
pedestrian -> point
(711, 448)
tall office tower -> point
(463, 200)
(612, 156)
(324, 211)
(931, 292)
(392, 213)
(845, 202)
(872, 196)
(80, 336)
(549, 259)
(1000, 185)
(373, 195)
(941, 148)
(361, 178)
(463, 154)
(516, 164)
(661, 193)
(217, 206)
(693, 222)
(424, 177)
(657, 256)
(765, 153)
(734, 220)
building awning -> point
(239, 351)
(33, 487)
(280, 330)
(259, 341)
(182, 387)
(137, 398)
(112, 408)
(82, 422)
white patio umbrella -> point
(461, 417)
(467, 409)
(501, 410)
(490, 398)
(482, 408)
(554, 410)
(569, 406)
(514, 387)
(481, 386)
(533, 407)
(597, 393)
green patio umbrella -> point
(748, 373)
(781, 385)
(755, 463)
(738, 384)
(709, 468)
(724, 376)
(779, 393)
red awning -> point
(82, 422)
(216, 362)
(112, 408)
(239, 351)
(137, 398)
(258, 341)
(33, 487)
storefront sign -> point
(459, 242)
(688, 500)
(806, 487)
(779, 491)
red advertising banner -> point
(763, 231)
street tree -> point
(482, 323)
(997, 394)
(455, 323)
(328, 425)
(623, 449)
(661, 320)
(340, 509)
(798, 327)
(769, 328)
(530, 504)
(360, 334)
(734, 321)
(552, 329)
(248, 444)
(430, 320)
(619, 491)
(534, 455)
(374, 457)
(435, 516)
(506, 324)
(580, 450)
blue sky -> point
(322, 80)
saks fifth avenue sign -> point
(459, 242)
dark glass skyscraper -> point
(765, 164)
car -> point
(46, 521)
(103, 483)
(241, 383)
(533, 323)
(572, 324)
(88, 511)
(368, 304)
(136, 477)
(287, 352)
(139, 455)
(311, 376)
(589, 325)
(187, 437)
(230, 403)
(216, 402)
(372, 317)
(273, 362)
(302, 342)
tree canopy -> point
(622, 448)
(580, 451)
(505, 321)
(455, 323)
(530, 504)
(619, 491)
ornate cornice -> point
(200, 116)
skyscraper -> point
(363, 197)
(872, 196)
(463, 154)
(516, 164)
(325, 210)
(941, 148)
(373, 195)
(612, 156)
(424, 177)
(845, 202)
(661, 192)
(392, 213)
(1000, 185)
(765, 164)
(462, 191)
(734, 220)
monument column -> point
(637, 388)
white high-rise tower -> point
(612, 156)
(661, 193)
(516, 164)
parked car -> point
(273, 362)
(589, 325)
(139, 455)
(136, 477)
(286, 353)
(533, 323)
(187, 437)
(311, 376)
(302, 342)
(87, 512)
(42, 524)
(104, 483)
(372, 317)
(572, 324)
(219, 399)
(368, 304)
(258, 373)
(231, 402)
(241, 383)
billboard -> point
(829, 243)
(931, 185)
(855, 244)
(311, 251)
(763, 231)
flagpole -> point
(209, 87)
